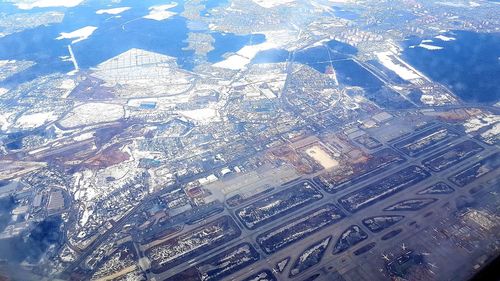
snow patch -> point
(113, 11)
(161, 12)
(92, 113)
(203, 115)
(429, 47)
(30, 4)
(445, 38)
(402, 71)
(79, 34)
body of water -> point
(114, 35)
(469, 65)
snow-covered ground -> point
(68, 85)
(30, 4)
(405, 73)
(341, 1)
(34, 120)
(492, 136)
(144, 74)
(113, 11)
(322, 157)
(203, 115)
(321, 7)
(161, 12)
(4, 120)
(314, 250)
(272, 3)
(11, 67)
(234, 62)
(84, 136)
(478, 122)
(79, 34)
(139, 102)
(92, 113)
